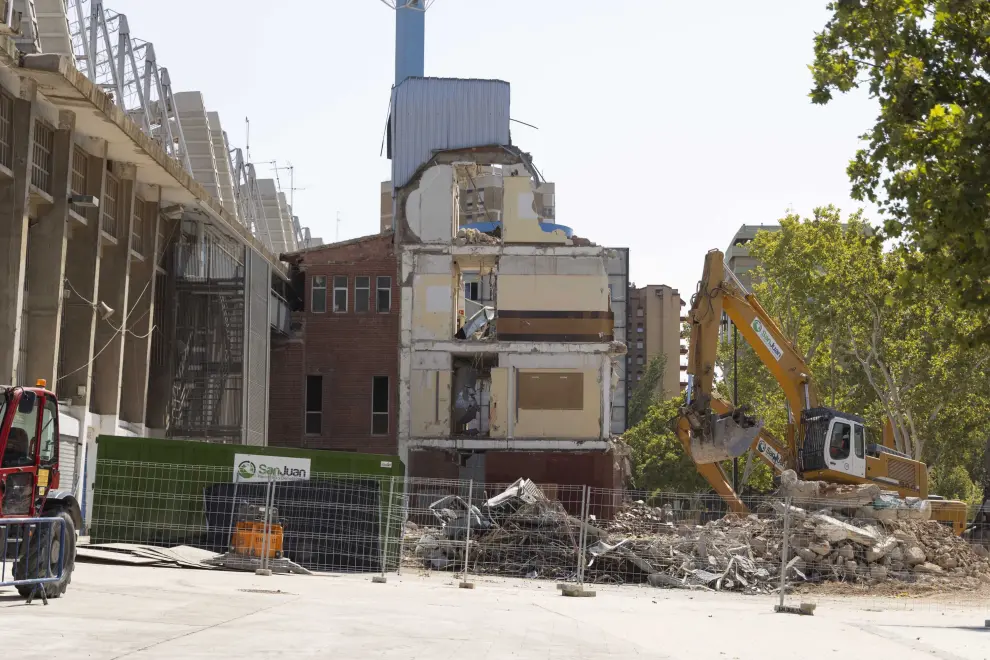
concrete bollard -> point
(575, 591)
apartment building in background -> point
(334, 375)
(654, 320)
(737, 256)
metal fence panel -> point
(794, 551)
(27, 546)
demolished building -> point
(519, 380)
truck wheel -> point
(41, 559)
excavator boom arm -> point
(703, 421)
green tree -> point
(925, 161)
(658, 459)
(874, 346)
(648, 391)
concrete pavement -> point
(116, 612)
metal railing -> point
(80, 164)
(110, 214)
(44, 147)
(6, 129)
(26, 554)
(138, 223)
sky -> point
(664, 124)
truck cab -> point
(28, 449)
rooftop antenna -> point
(336, 236)
(292, 180)
(247, 139)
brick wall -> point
(347, 349)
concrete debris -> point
(521, 533)
(639, 519)
(863, 500)
(577, 241)
(816, 491)
(479, 326)
(471, 236)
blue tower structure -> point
(410, 38)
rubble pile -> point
(912, 551)
(638, 519)
(734, 553)
(471, 236)
(520, 533)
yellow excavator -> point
(821, 444)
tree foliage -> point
(658, 459)
(875, 347)
(648, 391)
(925, 161)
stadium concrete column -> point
(82, 275)
(14, 211)
(137, 339)
(115, 268)
(159, 368)
(46, 262)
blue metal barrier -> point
(25, 553)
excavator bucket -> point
(724, 438)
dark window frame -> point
(313, 406)
(337, 287)
(376, 413)
(357, 294)
(386, 290)
(313, 289)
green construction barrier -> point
(151, 490)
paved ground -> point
(144, 613)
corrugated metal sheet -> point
(68, 463)
(435, 114)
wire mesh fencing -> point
(682, 540)
(516, 530)
(881, 553)
(328, 522)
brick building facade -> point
(334, 378)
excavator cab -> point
(833, 441)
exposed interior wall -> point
(553, 292)
(549, 412)
(499, 405)
(520, 221)
(430, 390)
(433, 299)
(431, 211)
(543, 282)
